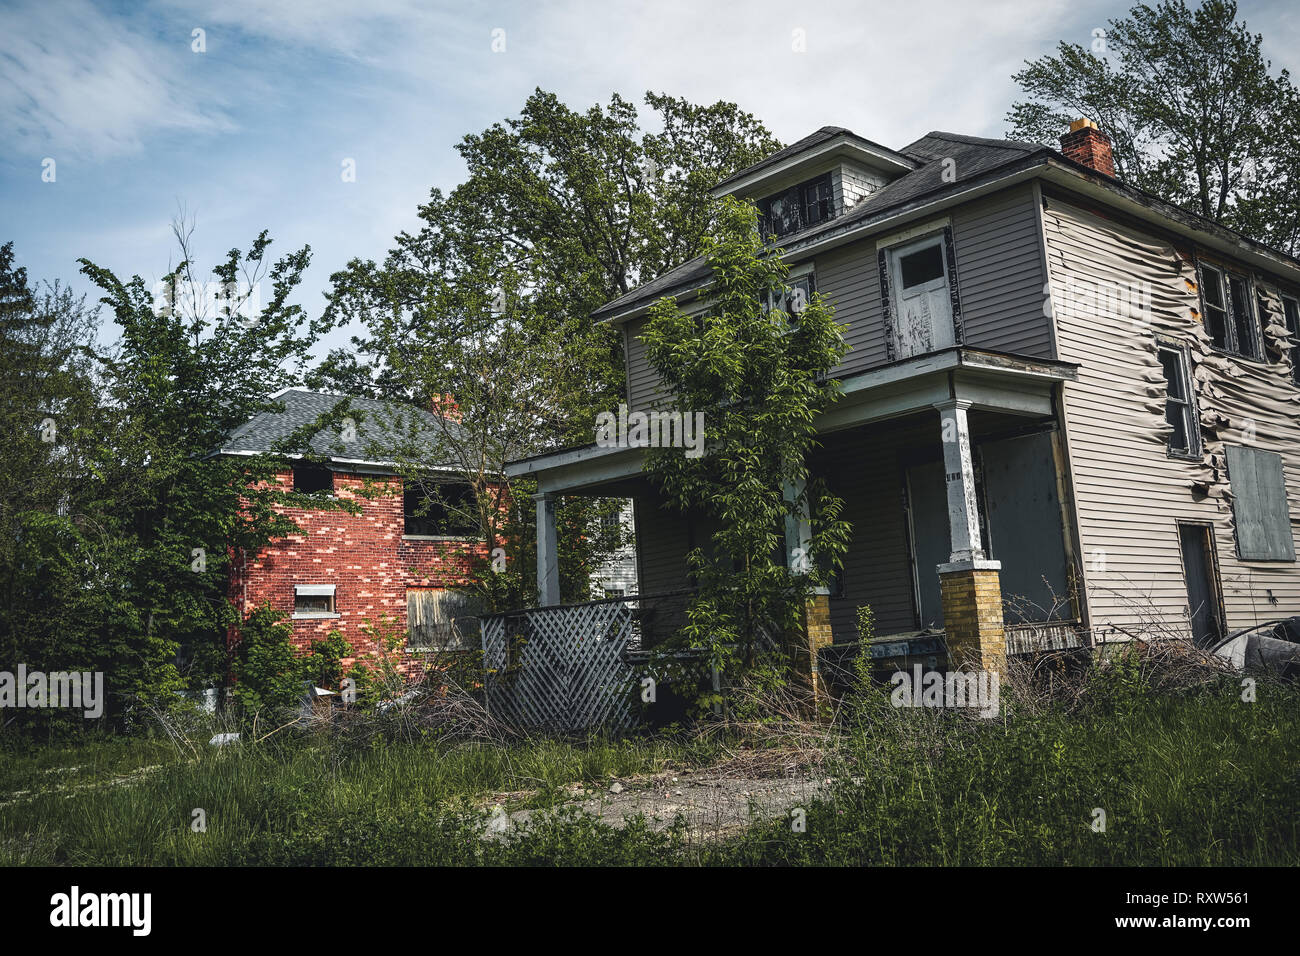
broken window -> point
(443, 619)
(313, 600)
(797, 208)
(1229, 318)
(1179, 411)
(792, 300)
(1291, 312)
(312, 478)
(1259, 506)
(439, 509)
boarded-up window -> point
(444, 619)
(1259, 505)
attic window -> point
(311, 478)
(797, 208)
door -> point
(922, 300)
(1203, 602)
(927, 507)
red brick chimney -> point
(445, 406)
(1086, 144)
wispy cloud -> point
(75, 80)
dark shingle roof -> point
(385, 431)
(972, 158)
(823, 135)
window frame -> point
(1231, 321)
(1291, 319)
(1192, 417)
(1238, 497)
(776, 300)
(414, 485)
(315, 591)
(799, 194)
(306, 467)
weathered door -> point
(1202, 591)
(923, 304)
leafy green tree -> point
(490, 301)
(759, 377)
(1194, 113)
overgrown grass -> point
(1192, 778)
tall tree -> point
(1193, 109)
(490, 301)
(758, 377)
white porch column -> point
(959, 474)
(798, 532)
(548, 557)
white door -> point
(922, 303)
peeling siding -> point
(1129, 493)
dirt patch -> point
(711, 802)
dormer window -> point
(797, 208)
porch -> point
(950, 467)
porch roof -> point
(990, 381)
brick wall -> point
(972, 618)
(364, 556)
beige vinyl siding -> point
(1129, 493)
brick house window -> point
(1229, 317)
(1180, 412)
(442, 619)
(439, 510)
(313, 600)
(312, 478)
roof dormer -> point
(816, 179)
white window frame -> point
(314, 590)
(1192, 423)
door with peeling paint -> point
(923, 304)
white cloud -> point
(74, 80)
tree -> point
(1194, 113)
(490, 301)
(759, 378)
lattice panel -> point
(562, 668)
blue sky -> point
(251, 133)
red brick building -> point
(398, 565)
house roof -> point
(823, 136)
(932, 178)
(386, 432)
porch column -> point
(970, 587)
(548, 557)
(816, 631)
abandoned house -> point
(397, 564)
(1069, 409)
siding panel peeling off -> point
(1116, 292)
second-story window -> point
(795, 297)
(439, 510)
(311, 478)
(1229, 318)
(1179, 411)
(1291, 313)
(797, 208)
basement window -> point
(313, 600)
(439, 510)
(312, 478)
(1179, 410)
(1259, 506)
(442, 619)
(1229, 317)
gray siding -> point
(1001, 274)
(998, 249)
(1130, 494)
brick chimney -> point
(445, 406)
(1086, 144)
